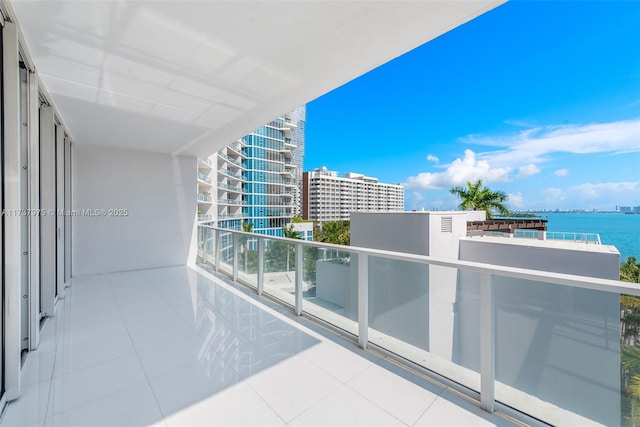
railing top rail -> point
(585, 282)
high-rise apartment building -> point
(257, 178)
(329, 197)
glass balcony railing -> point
(230, 160)
(232, 202)
(204, 198)
(593, 238)
(231, 174)
(230, 187)
(528, 342)
(204, 178)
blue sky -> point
(539, 99)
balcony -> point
(205, 218)
(232, 202)
(204, 178)
(204, 198)
(228, 173)
(228, 187)
(230, 160)
(180, 346)
(386, 301)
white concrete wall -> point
(442, 280)
(550, 340)
(159, 191)
(402, 232)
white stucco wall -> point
(159, 191)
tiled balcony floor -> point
(175, 347)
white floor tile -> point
(345, 407)
(133, 406)
(336, 360)
(401, 398)
(168, 356)
(30, 407)
(72, 358)
(237, 406)
(452, 410)
(166, 330)
(80, 334)
(186, 386)
(84, 385)
(293, 386)
(37, 367)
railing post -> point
(216, 250)
(363, 300)
(299, 254)
(235, 256)
(260, 283)
(487, 343)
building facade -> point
(329, 197)
(255, 179)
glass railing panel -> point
(248, 260)
(330, 286)
(428, 315)
(558, 352)
(201, 238)
(280, 270)
(225, 252)
(209, 246)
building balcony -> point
(224, 201)
(474, 352)
(235, 188)
(230, 160)
(204, 198)
(231, 174)
(204, 178)
(205, 218)
(180, 346)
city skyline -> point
(539, 99)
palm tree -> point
(248, 228)
(630, 270)
(477, 197)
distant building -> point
(329, 197)
(255, 179)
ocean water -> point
(619, 230)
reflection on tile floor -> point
(176, 346)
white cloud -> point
(516, 200)
(459, 172)
(527, 170)
(521, 153)
(535, 144)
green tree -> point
(630, 270)
(477, 197)
(290, 233)
(248, 228)
(336, 232)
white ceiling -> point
(189, 77)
